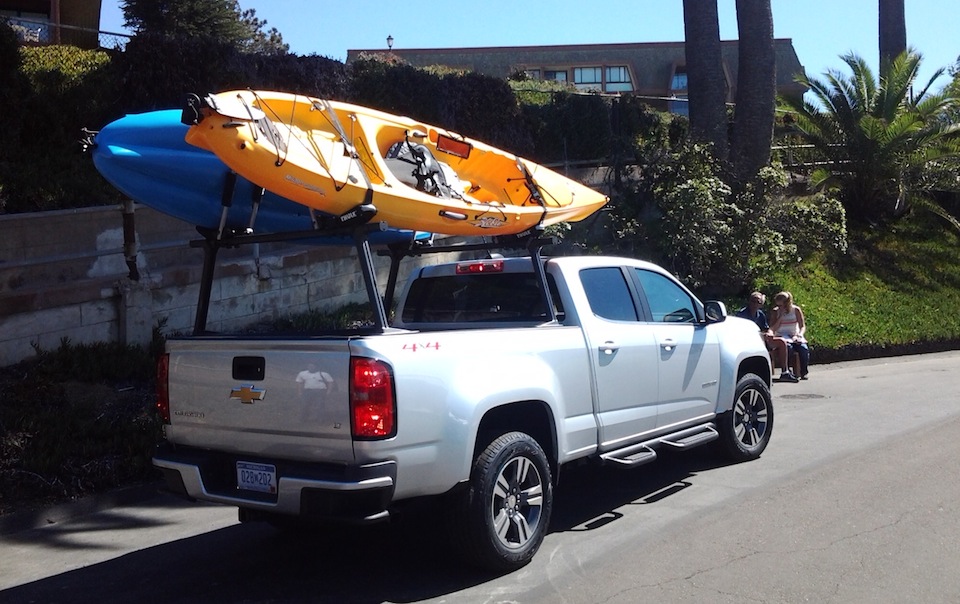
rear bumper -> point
(313, 490)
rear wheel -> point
(501, 519)
(745, 429)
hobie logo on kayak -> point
(488, 223)
(293, 179)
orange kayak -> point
(334, 156)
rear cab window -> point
(478, 298)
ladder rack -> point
(356, 224)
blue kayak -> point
(145, 156)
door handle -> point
(668, 345)
(609, 347)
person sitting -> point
(777, 346)
(788, 323)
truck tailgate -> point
(267, 398)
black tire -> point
(745, 429)
(500, 520)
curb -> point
(863, 352)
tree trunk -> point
(756, 89)
(706, 83)
(893, 30)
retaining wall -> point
(64, 274)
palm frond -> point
(925, 203)
(882, 140)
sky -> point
(821, 30)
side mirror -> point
(715, 310)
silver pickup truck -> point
(493, 374)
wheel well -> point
(759, 366)
(530, 417)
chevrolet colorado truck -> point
(493, 374)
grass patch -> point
(891, 290)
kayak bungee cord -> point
(264, 107)
(328, 112)
(534, 189)
(312, 152)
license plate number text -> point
(256, 477)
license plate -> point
(256, 477)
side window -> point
(669, 303)
(608, 294)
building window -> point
(588, 77)
(678, 90)
(618, 79)
(559, 76)
(679, 81)
(532, 74)
(681, 106)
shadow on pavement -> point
(403, 561)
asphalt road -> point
(855, 500)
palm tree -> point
(892, 28)
(882, 142)
(706, 84)
(756, 90)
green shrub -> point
(537, 92)
(396, 87)
(349, 316)
(812, 223)
(696, 225)
(55, 70)
(97, 362)
(10, 60)
(570, 127)
(470, 104)
(313, 75)
(158, 71)
(484, 108)
(61, 90)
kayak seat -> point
(415, 165)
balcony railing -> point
(41, 33)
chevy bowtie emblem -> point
(247, 394)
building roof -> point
(652, 63)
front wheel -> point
(745, 429)
(502, 517)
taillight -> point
(372, 402)
(480, 266)
(163, 387)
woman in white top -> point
(787, 323)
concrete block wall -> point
(64, 275)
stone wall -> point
(64, 274)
